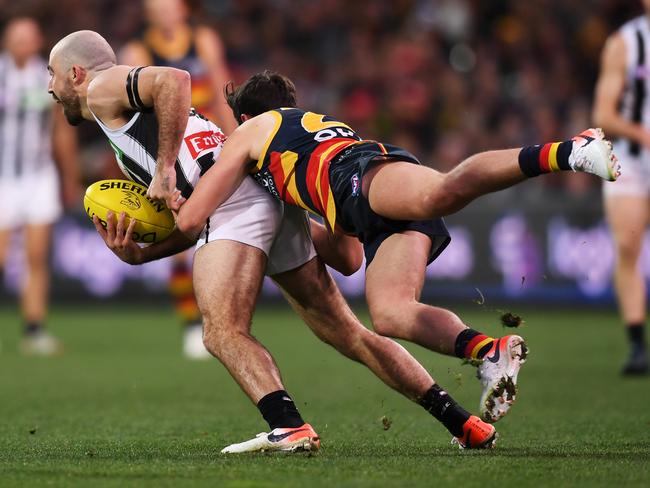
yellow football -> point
(154, 220)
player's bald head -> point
(85, 48)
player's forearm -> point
(339, 251)
(171, 98)
(65, 147)
(175, 243)
(616, 126)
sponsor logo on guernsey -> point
(265, 178)
(356, 184)
(204, 140)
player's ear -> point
(78, 74)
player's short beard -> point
(71, 108)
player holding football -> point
(143, 112)
(380, 194)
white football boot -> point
(41, 343)
(193, 347)
(592, 153)
(295, 439)
(498, 374)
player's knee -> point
(442, 201)
(387, 318)
(628, 249)
(218, 337)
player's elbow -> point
(189, 225)
(352, 263)
(350, 257)
(598, 117)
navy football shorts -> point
(353, 212)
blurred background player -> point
(31, 127)
(170, 38)
(622, 109)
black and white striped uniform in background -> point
(250, 216)
(29, 186)
(634, 106)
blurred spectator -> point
(30, 128)
(499, 73)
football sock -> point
(545, 158)
(180, 286)
(443, 407)
(471, 344)
(278, 410)
(32, 328)
(636, 335)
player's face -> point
(23, 39)
(165, 13)
(60, 87)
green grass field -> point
(122, 407)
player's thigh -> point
(227, 279)
(395, 276)
(38, 238)
(401, 190)
(313, 294)
(627, 216)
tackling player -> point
(382, 195)
(143, 112)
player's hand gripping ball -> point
(154, 220)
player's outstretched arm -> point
(118, 237)
(339, 251)
(218, 183)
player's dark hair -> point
(260, 93)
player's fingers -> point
(99, 227)
(173, 202)
(119, 231)
(110, 226)
(129, 230)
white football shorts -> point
(635, 173)
(252, 216)
(31, 199)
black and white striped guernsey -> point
(25, 118)
(136, 146)
(635, 101)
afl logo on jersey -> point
(356, 184)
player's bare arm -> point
(338, 250)
(65, 149)
(118, 236)
(167, 91)
(609, 88)
(239, 152)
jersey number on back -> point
(324, 131)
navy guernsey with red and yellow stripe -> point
(294, 163)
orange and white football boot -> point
(498, 374)
(287, 439)
(476, 435)
(592, 153)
